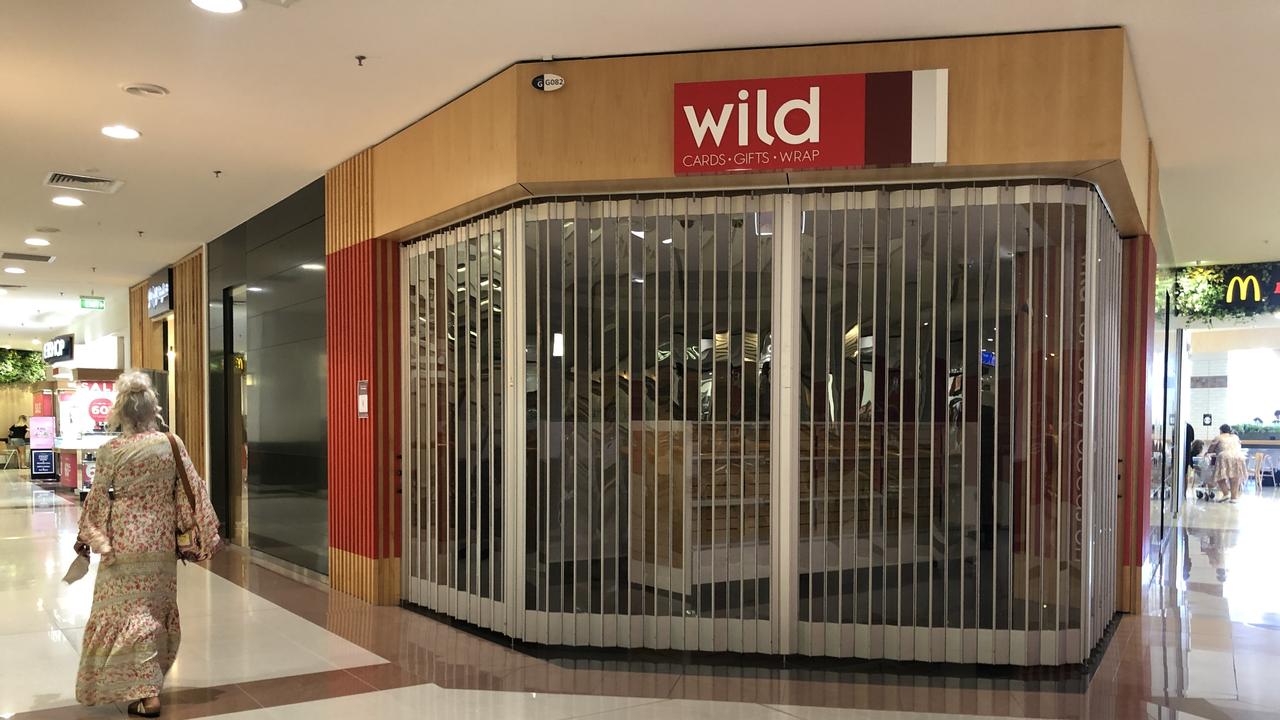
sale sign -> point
(100, 409)
(811, 123)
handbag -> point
(189, 544)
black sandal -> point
(139, 709)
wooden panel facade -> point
(190, 317)
(146, 341)
(348, 207)
(147, 349)
(1061, 104)
(463, 151)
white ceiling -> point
(272, 97)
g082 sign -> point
(811, 123)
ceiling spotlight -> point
(121, 132)
(312, 266)
(15, 271)
(68, 201)
(222, 7)
(37, 242)
(35, 341)
(254, 289)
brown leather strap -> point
(182, 472)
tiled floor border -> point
(475, 660)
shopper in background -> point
(1229, 464)
(18, 439)
(131, 517)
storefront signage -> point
(1216, 292)
(548, 82)
(160, 293)
(91, 302)
(811, 123)
(1246, 288)
(60, 349)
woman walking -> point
(145, 490)
(1229, 463)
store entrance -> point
(866, 423)
(1232, 384)
(237, 460)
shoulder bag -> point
(189, 545)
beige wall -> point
(1209, 341)
(1062, 104)
(15, 400)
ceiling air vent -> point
(27, 257)
(145, 90)
(11, 287)
(88, 183)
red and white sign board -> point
(818, 122)
(81, 408)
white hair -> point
(137, 407)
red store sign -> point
(811, 123)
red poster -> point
(41, 404)
(68, 469)
(773, 124)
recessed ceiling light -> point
(254, 289)
(37, 242)
(312, 266)
(223, 7)
(15, 271)
(68, 201)
(35, 341)
(121, 132)
(666, 241)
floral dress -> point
(133, 632)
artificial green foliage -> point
(21, 366)
(1255, 431)
(1164, 288)
(1200, 293)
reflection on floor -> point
(261, 646)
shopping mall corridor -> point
(259, 645)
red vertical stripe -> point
(888, 114)
(363, 321)
(1137, 356)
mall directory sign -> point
(43, 466)
(818, 122)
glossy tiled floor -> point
(259, 645)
